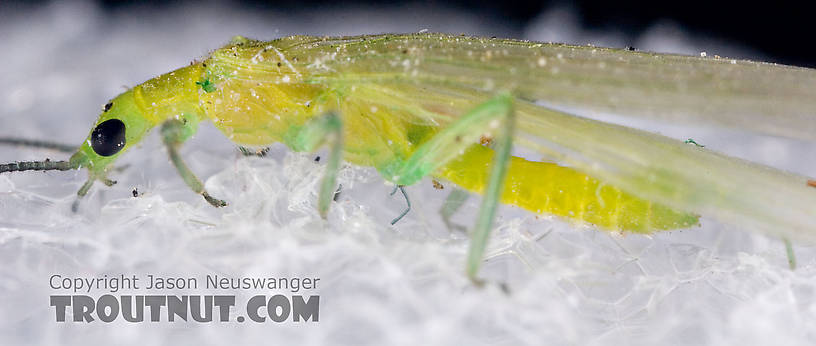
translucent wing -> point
(754, 96)
(436, 77)
(651, 166)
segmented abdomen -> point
(543, 187)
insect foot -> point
(215, 202)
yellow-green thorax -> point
(256, 98)
(171, 95)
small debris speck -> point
(691, 141)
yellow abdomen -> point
(543, 187)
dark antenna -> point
(38, 144)
(46, 165)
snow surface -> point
(380, 284)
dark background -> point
(779, 30)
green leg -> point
(81, 193)
(407, 201)
(108, 182)
(485, 119)
(327, 129)
(253, 152)
(494, 118)
(87, 187)
(455, 200)
(791, 255)
(174, 133)
(495, 185)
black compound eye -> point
(108, 138)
